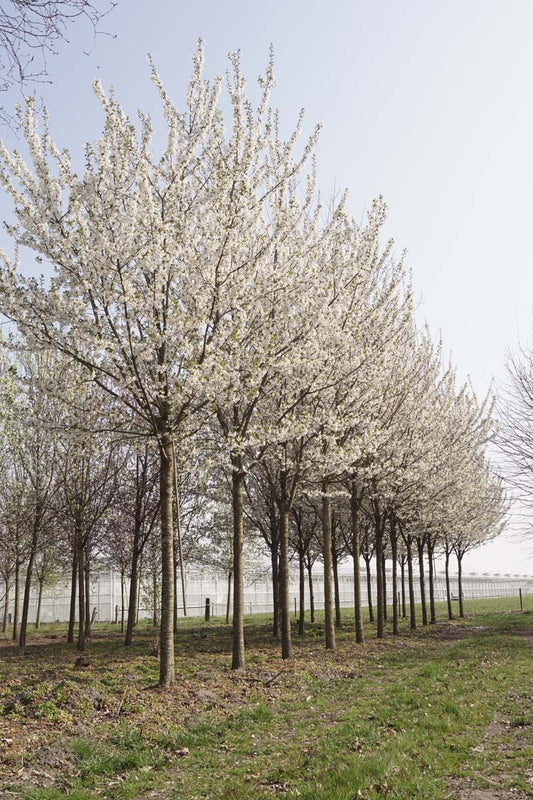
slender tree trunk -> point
(369, 590)
(26, 599)
(460, 584)
(136, 553)
(132, 601)
(301, 571)
(228, 601)
(411, 582)
(448, 588)
(73, 588)
(402, 567)
(36, 530)
(335, 565)
(39, 604)
(16, 613)
(81, 599)
(87, 596)
(432, 612)
(179, 540)
(326, 554)
(384, 569)
(274, 555)
(379, 576)
(356, 550)
(167, 676)
(311, 593)
(394, 556)
(420, 548)
(139, 584)
(175, 587)
(286, 642)
(155, 619)
(237, 485)
(6, 605)
(122, 593)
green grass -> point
(420, 715)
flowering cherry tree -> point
(126, 244)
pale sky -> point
(427, 103)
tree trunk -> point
(432, 613)
(81, 599)
(230, 576)
(29, 574)
(16, 613)
(167, 676)
(311, 592)
(26, 600)
(87, 596)
(379, 576)
(6, 605)
(122, 601)
(356, 549)
(139, 584)
(411, 581)
(326, 554)
(39, 604)
(286, 642)
(73, 587)
(175, 588)
(274, 556)
(460, 584)
(179, 542)
(420, 548)
(335, 565)
(394, 556)
(448, 588)
(301, 571)
(369, 590)
(237, 485)
(384, 569)
(132, 601)
(155, 619)
(402, 567)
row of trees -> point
(203, 302)
(60, 511)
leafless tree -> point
(515, 439)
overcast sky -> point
(426, 103)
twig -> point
(260, 680)
(119, 709)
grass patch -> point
(395, 718)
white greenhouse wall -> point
(200, 584)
